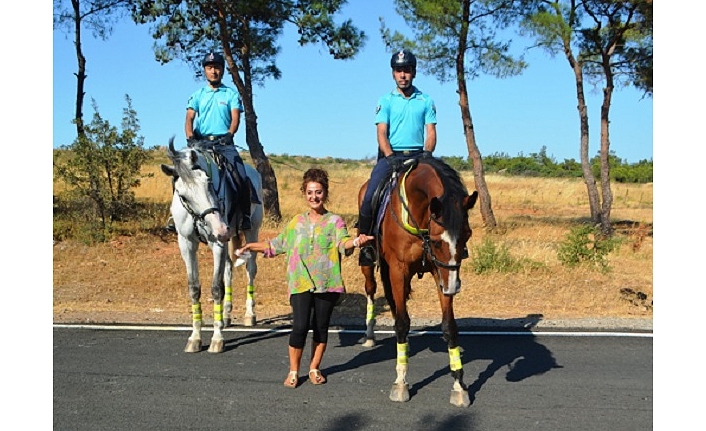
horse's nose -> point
(451, 286)
(225, 235)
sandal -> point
(318, 378)
(292, 379)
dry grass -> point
(141, 279)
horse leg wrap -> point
(217, 341)
(250, 318)
(250, 301)
(370, 315)
(217, 313)
(455, 358)
(402, 353)
(228, 298)
(401, 368)
(196, 312)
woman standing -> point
(314, 242)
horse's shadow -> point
(523, 356)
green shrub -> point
(488, 257)
(102, 167)
(586, 245)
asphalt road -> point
(122, 378)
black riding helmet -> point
(212, 57)
(403, 58)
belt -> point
(212, 137)
(408, 152)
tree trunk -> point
(270, 195)
(486, 209)
(607, 193)
(588, 178)
(81, 74)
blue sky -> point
(325, 107)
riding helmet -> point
(403, 58)
(213, 57)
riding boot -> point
(367, 252)
(253, 192)
(246, 223)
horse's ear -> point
(435, 207)
(168, 170)
(470, 201)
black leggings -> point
(302, 319)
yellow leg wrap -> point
(229, 294)
(402, 350)
(455, 358)
(218, 312)
(370, 312)
(251, 292)
(196, 312)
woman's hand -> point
(244, 249)
(362, 239)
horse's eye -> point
(464, 253)
(436, 244)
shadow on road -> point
(521, 355)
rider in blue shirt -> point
(213, 112)
(403, 117)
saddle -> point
(381, 197)
(231, 201)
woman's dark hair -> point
(316, 175)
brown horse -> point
(422, 229)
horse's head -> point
(449, 228)
(194, 195)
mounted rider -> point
(212, 119)
(402, 118)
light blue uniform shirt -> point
(213, 109)
(406, 118)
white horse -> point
(199, 217)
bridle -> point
(422, 233)
(199, 220)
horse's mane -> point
(454, 192)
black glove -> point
(228, 139)
(191, 141)
(426, 154)
(393, 162)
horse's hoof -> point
(227, 321)
(193, 346)
(368, 342)
(460, 398)
(249, 320)
(399, 392)
(216, 346)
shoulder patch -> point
(377, 109)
